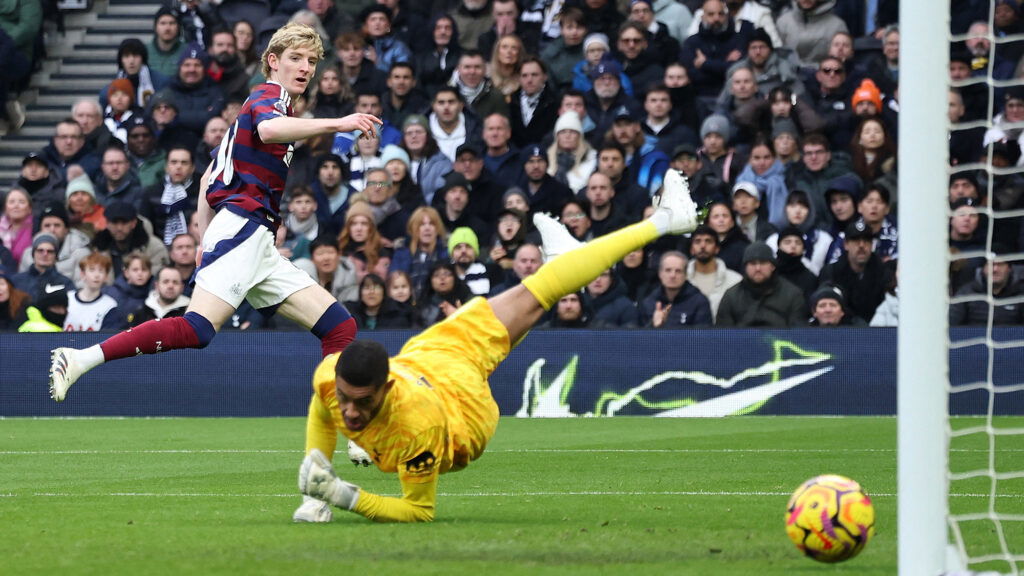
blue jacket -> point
(689, 308)
(613, 309)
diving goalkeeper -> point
(429, 410)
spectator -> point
(888, 312)
(804, 28)
(48, 311)
(197, 20)
(300, 223)
(767, 174)
(570, 158)
(641, 61)
(828, 308)
(791, 256)
(182, 254)
(68, 147)
(706, 270)
(662, 122)
(484, 193)
(507, 20)
(330, 270)
(398, 164)
(607, 98)
(964, 143)
(660, 42)
(401, 99)
(829, 94)
(757, 13)
(980, 48)
(534, 106)
(84, 212)
(781, 108)
(43, 185)
(860, 273)
(478, 93)
(20, 26)
(124, 235)
(388, 215)
(133, 65)
(762, 299)
(1004, 124)
(724, 160)
(72, 244)
(463, 246)
(146, 158)
(226, 69)
(645, 163)
(732, 243)
(129, 290)
(166, 48)
(367, 103)
(607, 299)
(333, 97)
(165, 205)
(12, 302)
(503, 68)
(872, 150)
(121, 107)
(89, 115)
(435, 65)
(718, 43)
(705, 185)
(387, 47)
(501, 157)
(450, 125)
(967, 233)
(576, 217)
(428, 164)
(571, 311)
(873, 210)
(740, 90)
(815, 241)
(195, 94)
(375, 310)
(331, 190)
(528, 259)
(167, 128)
(359, 241)
(245, 46)
(358, 72)
(972, 308)
(746, 202)
(675, 17)
(399, 290)
(16, 223)
(213, 134)
(562, 53)
(842, 195)
(43, 270)
(454, 208)
(630, 199)
(166, 300)
(443, 294)
(675, 303)
(362, 158)
(545, 193)
(596, 51)
(770, 70)
(604, 215)
(427, 244)
(816, 173)
(117, 182)
(786, 141)
(472, 18)
(509, 236)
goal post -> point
(923, 344)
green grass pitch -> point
(566, 496)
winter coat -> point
(864, 291)
(689, 308)
(613, 309)
(724, 279)
(542, 122)
(196, 103)
(30, 280)
(390, 315)
(71, 251)
(140, 240)
(976, 312)
(805, 32)
(431, 172)
(675, 16)
(774, 304)
(152, 309)
(716, 46)
(560, 60)
(129, 299)
(888, 312)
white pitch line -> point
(462, 494)
(522, 451)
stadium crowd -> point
(782, 115)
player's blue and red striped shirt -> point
(248, 175)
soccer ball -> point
(830, 518)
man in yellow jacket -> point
(429, 410)
(48, 310)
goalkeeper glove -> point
(317, 479)
(357, 455)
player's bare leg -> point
(206, 314)
(519, 308)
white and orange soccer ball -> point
(830, 518)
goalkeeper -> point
(429, 410)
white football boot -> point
(555, 238)
(65, 370)
(313, 510)
(676, 202)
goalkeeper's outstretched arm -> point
(318, 479)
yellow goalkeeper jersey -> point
(437, 417)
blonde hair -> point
(412, 227)
(291, 35)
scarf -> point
(308, 228)
(174, 201)
(143, 83)
(382, 211)
(470, 94)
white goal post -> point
(923, 367)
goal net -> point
(961, 439)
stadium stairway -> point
(79, 63)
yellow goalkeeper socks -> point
(575, 269)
